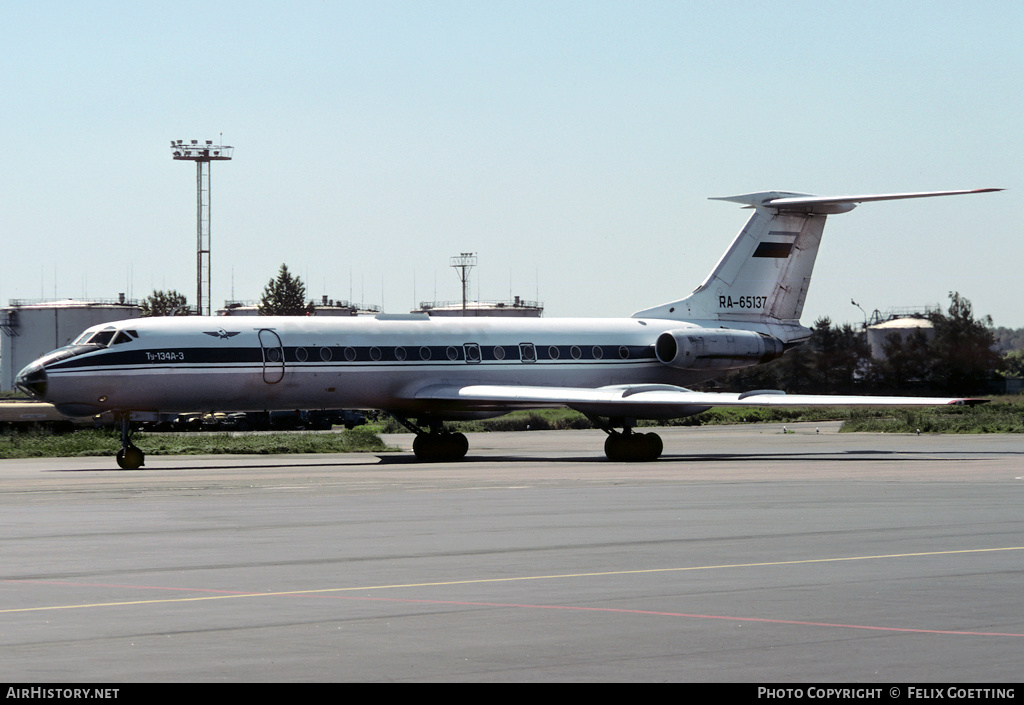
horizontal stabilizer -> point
(806, 203)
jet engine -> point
(715, 348)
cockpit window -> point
(102, 338)
(105, 337)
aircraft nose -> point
(32, 380)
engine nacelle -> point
(715, 348)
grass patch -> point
(997, 417)
(539, 420)
(1003, 415)
(41, 444)
(724, 415)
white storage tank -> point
(30, 329)
(879, 333)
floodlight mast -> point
(463, 263)
(202, 155)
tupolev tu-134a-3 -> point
(425, 371)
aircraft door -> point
(273, 356)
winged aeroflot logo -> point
(222, 334)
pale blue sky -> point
(573, 145)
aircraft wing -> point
(646, 400)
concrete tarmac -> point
(744, 554)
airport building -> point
(516, 308)
(325, 307)
(31, 328)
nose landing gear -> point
(129, 457)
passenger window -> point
(527, 353)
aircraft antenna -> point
(462, 264)
(202, 155)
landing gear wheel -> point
(460, 444)
(130, 458)
(615, 446)
(420, 447)
(654, 445)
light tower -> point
(463, 263)
(202, 155)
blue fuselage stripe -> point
(340, 356)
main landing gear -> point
(437, 445)
(627, 446)
(129, 457)
(440, 447)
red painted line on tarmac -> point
(515, 605)
(686, 615)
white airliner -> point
(425, 371)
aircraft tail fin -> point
(764, 275)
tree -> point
(1009, 338)
(840, 357)
(165, 303)
(906, 365)
(963, 349)
(1012, 366)
(834, 360)
(284, 296)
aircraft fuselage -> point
(268, 363)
